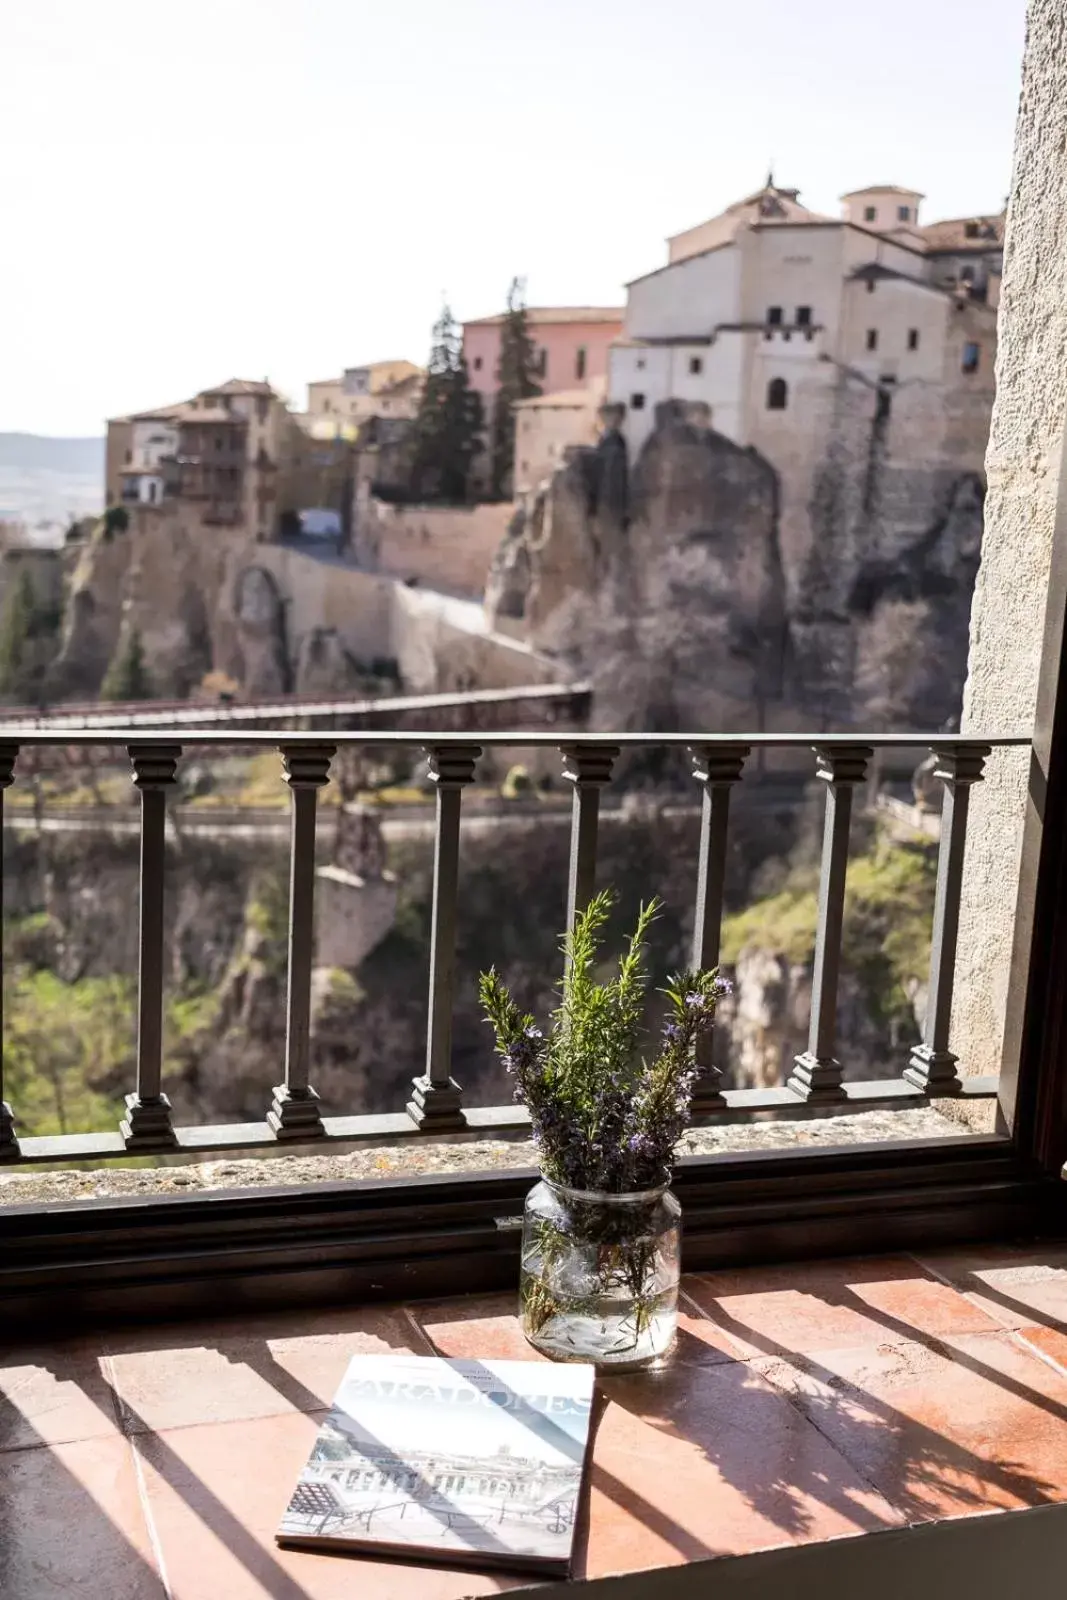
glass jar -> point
(600, 1274)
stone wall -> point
(1025, 473)
(275, 619)
(448, 547)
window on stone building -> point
(696, 366)
(641, 364)
(970, 230)
(477, 363)
(261, 407)
(872, 338)
(972, 356)
(870, 285)
(967, 275)
(542, 362)
(774, 316)
(777, 394)
(803, 316)
(913, 338)
(903, 213)
(579, 362)
(870, 213)
(637, 402)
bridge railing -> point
(818, 1083)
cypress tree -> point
(16, 639)
(127, 676)
(448, 427)
(516, 379)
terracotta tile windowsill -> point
(803, 1403)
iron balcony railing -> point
(816, 1086)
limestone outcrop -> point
(664, 580)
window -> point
(803, 316)
(913, 338)
(872, 338)
(477, 363)
(696, 366)
(972, 356)
(261, 407)
(641, 364)
(774, 316)
(579, 362)
(967, 275)
(970, 230)
(637, 402)
(777, 394)
(870, 285)
(870, 213)
(542, 362)
(903, 213)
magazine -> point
(476, 1463)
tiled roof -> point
(953, 233)
(241, 386)
(550, 316)
(882, 188)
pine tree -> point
(516, 379)
(450, 419)
(127, 676)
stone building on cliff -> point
(788, 489)
(225, 456)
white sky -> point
(282, 188)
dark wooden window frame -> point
(64, 1263)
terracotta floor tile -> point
(57, 1395)
(976, 1424)
(231, 1376)
(695, 1462)
(488, 1325)
(1050, 1342)
(1017, 1286)
(830, 1305)
(71, 1524)
(470, 1326)
(216, 1495)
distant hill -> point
(46, 483)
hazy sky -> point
(281, 188)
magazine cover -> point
(473, 1462)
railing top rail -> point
(43, 735)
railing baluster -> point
(436, 1102)
(718, 767)
(816, 1074)
(9, 1145)
(588, 767)
(294, 1111)
(147, 1123)
(933, 1066)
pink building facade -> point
(572, 345)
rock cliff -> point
(664, 579)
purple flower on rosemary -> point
(671, 1031)
(639, 1144)
(694, 1000)
(723, 986)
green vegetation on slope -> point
(889, 902)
